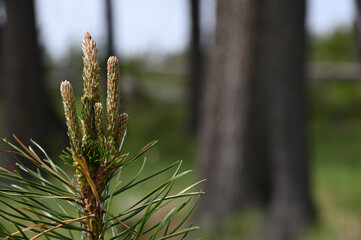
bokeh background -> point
(262, 98)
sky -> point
(324, 15)
(144, 26)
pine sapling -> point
(45, 206)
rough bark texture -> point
(226, 111)
(254, 127)
(28, 112)
(195, 66)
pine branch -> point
(53, 201)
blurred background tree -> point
(109, 24)
(195, 66)
(254, 147)
(256, 78)
(28, 109)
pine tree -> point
(60, 207)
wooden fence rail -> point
(320, 72)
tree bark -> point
(254, 127)
(27, 108)
(227, 114)
(282, 64)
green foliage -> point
(338, 46)
(336, 171)
(55, 205)
(336, 100)
(240, 225)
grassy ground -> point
(336, 160)
(336, 170)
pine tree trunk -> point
(195, 66)
(236, 176)
(28, 110)
(254, 128)
(283, 66)
(358, 28)
(109, 27)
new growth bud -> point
(91, 68)
(123, 127)
(70, 115)
(99, 125)
(95, 132)
(113, 102)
